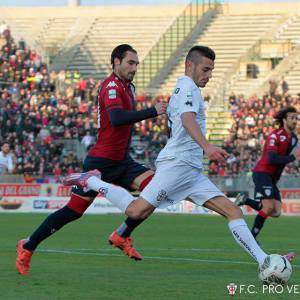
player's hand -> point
(161, 107)
(216, 153)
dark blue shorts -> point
(120, 173)
(265, 186)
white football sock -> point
(117, 195)
(244, 237)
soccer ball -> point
(276, 269)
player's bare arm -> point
(191, 126)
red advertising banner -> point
(14, 190)
(63, 191)
(290, 193)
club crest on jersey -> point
(161, 196)
(103, 191)
(111, 84)
(272, 142)
(282, 138)
(268, 192)
(112, 94)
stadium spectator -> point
(252, 122)
(87, 140)
(6, 159)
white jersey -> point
(6, 163)
(186, 98)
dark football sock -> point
(259, 223)
(253, 203)
(128, 226)
(51, 224)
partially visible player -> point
(277, 153)
(116, 116)
(6, 159)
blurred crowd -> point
(252, 121)
(41, 110)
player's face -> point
(127, 68)
(203, 71)
(291, 121)
(5, 148)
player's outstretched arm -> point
(119, 116)
(191, 126)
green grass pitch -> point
(185, 257)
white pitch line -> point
(184, 249)
(76, 252)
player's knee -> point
(276, 213)
(236, 212)
(268, 210)
(134, 212)
(138, 213)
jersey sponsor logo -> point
(189, 94)
(111, 84)
(161, 196)
(272, 142)
(177, 91)
(188, 103)
(282, 138)
(112, 94)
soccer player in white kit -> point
(179, 166)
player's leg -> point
(268, 206)
(136, 177)
(74, 209)
(242, 199)
(255, 203)
(126, 173)
(167, 186)
(139, 183)
(237, 226)
(207, 194)
(267, 190)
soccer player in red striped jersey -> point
(108, 157)
(277, 153)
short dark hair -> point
(198, 51)
(3, 143)
(120, 52)
(282, 114)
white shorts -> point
(175, 181)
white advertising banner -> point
(50, 197)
